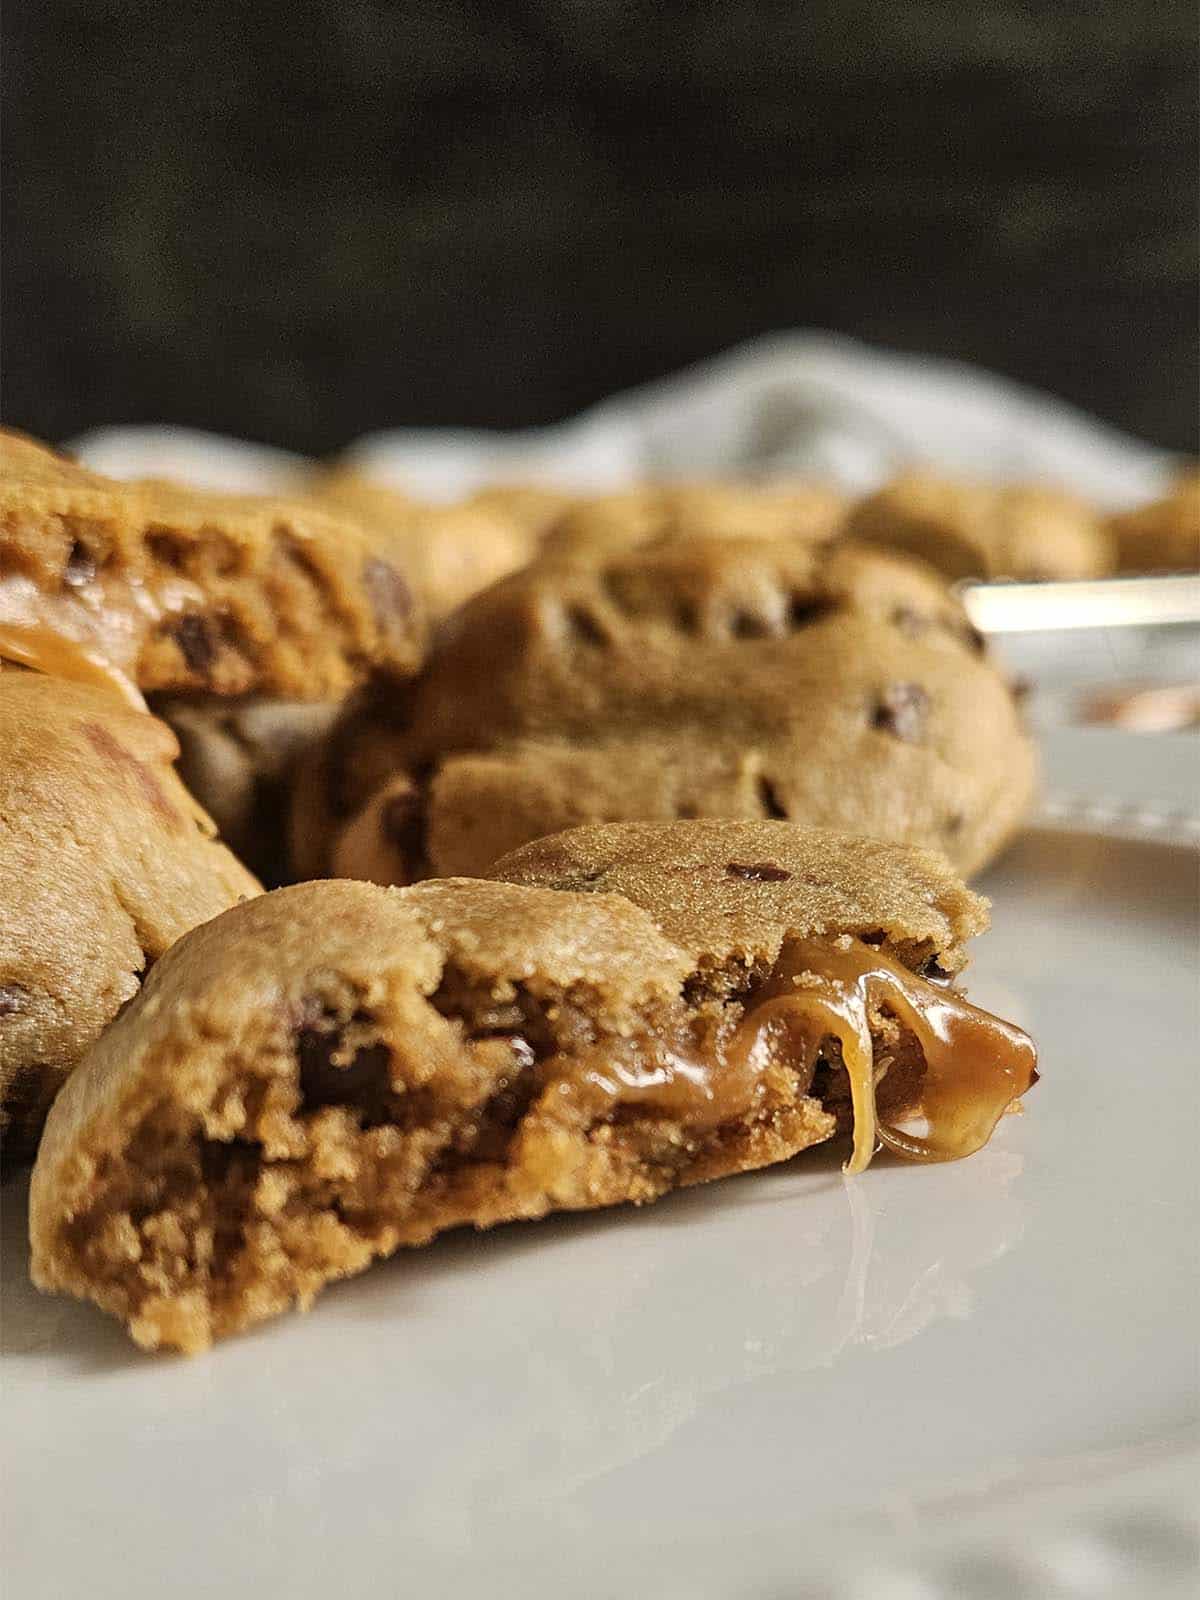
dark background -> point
(296, 222)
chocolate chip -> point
(757, 871)
(13, 999)
(902, 710)
(81, 566)
(390, 596)
(197, 640)
(402, 823)
(748, 625)
(768, 799)
(585, 627)
(167, 548)
(363, 1081)
(804, 609)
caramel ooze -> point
(65, 637)
(976, 1065)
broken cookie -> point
(335, 1070)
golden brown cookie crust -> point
(969, 529)
(184, 591)
(335, 1070)
(107, 860)
(729, 892)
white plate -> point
(972, 1380)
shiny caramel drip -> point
(976, 1065)
(91, 632)
(64, 637)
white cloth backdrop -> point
(801, 403)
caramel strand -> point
(976, 1065)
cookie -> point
(836, 687)
(607, 525)
(448, 552)
(1163, 536)
(336, 1070)
(977, 530)
(160, 588)
(107, 860)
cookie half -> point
(335, 1070)
(169, 589)
(107, 861)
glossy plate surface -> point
(969, 1380)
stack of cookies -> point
(658, 806)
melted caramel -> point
(42, 649)
(91, 634)
(976, 1065)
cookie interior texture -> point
(107, 860)
(335, 1070)
(157, 587)
(835, 687)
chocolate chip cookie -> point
(335, 1070)
(977, 530)
(835, 686)
(107, 860)
(1163, 536)
(448, 552)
